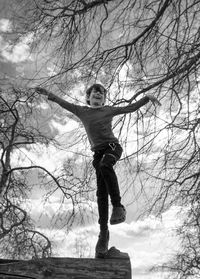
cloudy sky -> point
(148, 241)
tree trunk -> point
(67, 268)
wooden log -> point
(67, 268)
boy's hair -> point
(97, 87)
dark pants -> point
(107, 183)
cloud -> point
(49, 157)
(11, 54)
(74, 243)
(149, 242)
(144, 227)
(68, 127)
(18, 52)
(5, 25)
(56, 213)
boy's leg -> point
(101, 248)
(110, 157)
(102, 193)
(102, 201)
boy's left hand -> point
(154, 100)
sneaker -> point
(102, 244)
(114, 253)
(118, 215)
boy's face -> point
(97, 98)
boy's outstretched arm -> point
(52, 97)
(135, 106)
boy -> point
(97, 120)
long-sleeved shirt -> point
(98, 121)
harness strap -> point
(112, 145)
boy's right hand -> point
(42, 91)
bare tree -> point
(158, 42)
(17, 234)
(159, 38)
(18, 131)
